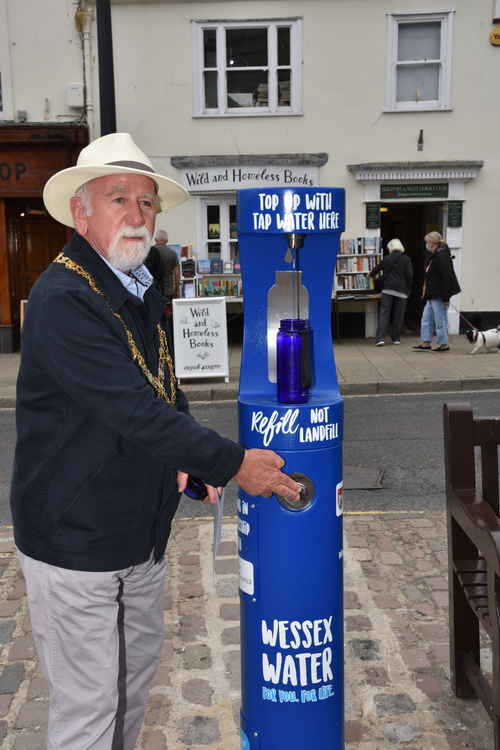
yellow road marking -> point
(347, 513)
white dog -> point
(488, 340)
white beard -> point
(134, 253)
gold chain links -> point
(164, 358)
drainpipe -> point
(83, 21)
(106, 72)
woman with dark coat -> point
(397, 278)
(440, 283)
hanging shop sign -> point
(414, 190)
(233, 178)
(455, 213)
(200, 338)
(373, 215)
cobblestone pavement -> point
(397, 676)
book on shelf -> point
(233, 287)
(188, 268)
(203, 265)
(219, 287)
(189, 289)
(228, 266)
(372, 245)
(353, 264)
(216, 265)
(354, 282)
(360, 246)
(211, 288)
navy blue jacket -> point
(94, 484)
(397, 272)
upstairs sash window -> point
(250, 68)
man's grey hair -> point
(83, 193)
(161, 236)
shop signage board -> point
(417, 190)
(25, 171)
(373, 215)
(200, 338)
(207, 179)
(455, 213)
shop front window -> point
(220, 236)
(234, 250)
(247, 68)
(419, 61)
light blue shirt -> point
(138, 283)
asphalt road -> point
(401, 435)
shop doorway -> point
(34, 240)
(410, 222)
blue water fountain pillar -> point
(291, 553)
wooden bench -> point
(473, 554)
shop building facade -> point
(45, 106)
(395, 101)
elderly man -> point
(163, 263)
(105, 446)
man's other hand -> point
(213, 492)
(260, 474)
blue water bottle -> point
(195, 488)
(293, 361)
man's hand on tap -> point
(260, 474)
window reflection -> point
(213, 222)
(210, 48)
(233, 231)
(211, 99)
(247, 88)
(284, 45)
(246, 47)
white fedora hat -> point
(115, 153)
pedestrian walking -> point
(105, 446)
(397, 278)
(440, 283)
(163, 263)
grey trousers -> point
(391, 311)
(98, 638)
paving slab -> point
(397, 690)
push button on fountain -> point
(306, 494)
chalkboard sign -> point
(455, 213)
(373, 215)
(200, 338)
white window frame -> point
(295, 108)
(394, 20)
(223, 201)
(6, 108)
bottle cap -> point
(293, 324)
